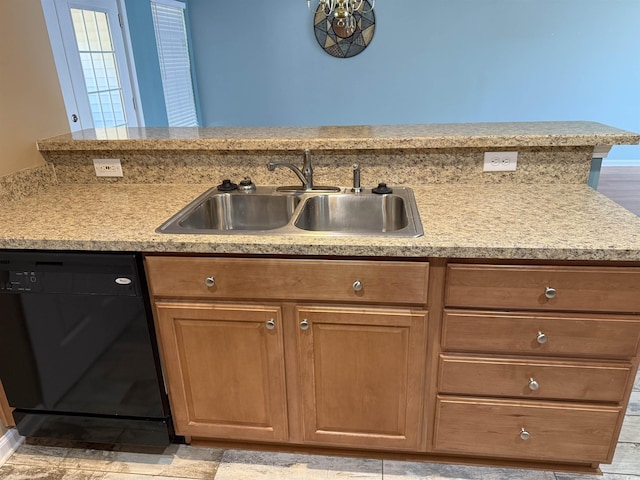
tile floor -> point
(184, 462)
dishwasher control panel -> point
(24, 281)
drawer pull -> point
(524, 435)
(271, 324)
(533, 385)
(210, 281)
(304, 324)
(357, 286)
(541, 338)
(550, 292)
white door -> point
(87, 39)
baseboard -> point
(9, 443)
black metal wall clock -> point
(340, 41)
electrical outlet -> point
(107, 167)
(500, 161)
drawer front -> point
(598, 289)
(330, 280)
(588, 381)
(541, 334)
(494, 428)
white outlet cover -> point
(107, 167)
(500, 161)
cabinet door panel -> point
(361, 376)
(225, 370)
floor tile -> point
(631, 431)
(439, 471)
(36, 455)
(42, 472)
(634, 404)
(606, 476)
(178, 461)
(626, 460)
(244, 465)
(636, 385)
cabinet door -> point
(361, 375)
(224, 365)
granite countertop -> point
(571, 222)
(460, 135)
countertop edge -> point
(383, 137)
(318, 250)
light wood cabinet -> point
(6, 419)
(351, 333)
(224, 367)
(548, 431)
(537, 287)
(362, 375)
(494, 363)
(529, 367)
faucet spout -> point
(305, 175)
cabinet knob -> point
(271, 324)
(210, 281)
(524, 435)
(533, 385)
(550, 292)
(304, 324)
(357, 286)
(541, 338)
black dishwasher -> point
(78, 359)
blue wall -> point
(430, 61)
(145, 55)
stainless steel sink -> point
(217, 212)
(267, 210)
(362, 213)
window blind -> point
(175, 66)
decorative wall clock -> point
(340, 40)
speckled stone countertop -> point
(571, 222)
(459, 135)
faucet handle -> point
(356, 178)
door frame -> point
(64, 75)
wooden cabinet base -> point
(523, 366)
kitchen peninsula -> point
(507, 334)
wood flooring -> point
(622, 185)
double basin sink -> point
(268, 211)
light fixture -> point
(342, 11)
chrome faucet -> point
(305, 175)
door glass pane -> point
(99, 67)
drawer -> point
(289, 279)
(558, 380)
(597, 289)
(577, 335)
(560, 432)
